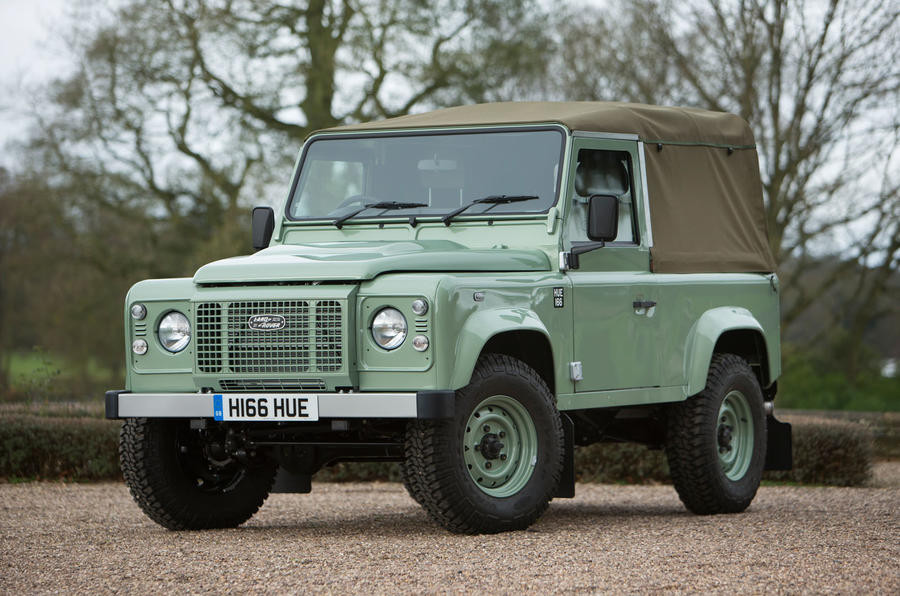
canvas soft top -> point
(650, 123)
(706, 204)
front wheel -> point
(183, 479)
(716, 443)
(496, 464)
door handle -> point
(643, 304)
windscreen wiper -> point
(386, 205)
(492, 200)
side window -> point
(602, 172)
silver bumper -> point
(421, 405)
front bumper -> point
(420, 405)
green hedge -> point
(48, 448)
(829, 452)
(832, 452)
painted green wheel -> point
(734, 435)
(500, 446)
(716, 440)
(496, 463)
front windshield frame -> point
(391, 215)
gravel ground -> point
(372, 538)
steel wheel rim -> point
(500, 446)
(734, 435)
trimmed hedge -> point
(831, 452)
(48, 448)
(828, 452)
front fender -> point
(702, 338)
(480, 327)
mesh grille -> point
(282, 351)
(260, 385)
(208, 328)
(310, 340)
(328, 335)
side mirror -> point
(263, 225)
(603, 218)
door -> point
(614, 295)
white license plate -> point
(260, 408)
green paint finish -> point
(352, 260)
(500, 446)
(706, 331)
(734, 435)
(622, 397)
(489, 281)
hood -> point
(365, 260)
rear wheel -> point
(184, 480)
(716, 443)
(496, 464)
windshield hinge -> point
(552, 216)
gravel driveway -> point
(362, 538)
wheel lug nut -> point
(478, 447)
(487, 428)
(502, 457)
(502, 434)
(487, 465)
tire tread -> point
(142, 467)
(692, 465)
(432, 478)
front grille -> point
(310, 341)
(263, 385)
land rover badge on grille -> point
(266, 322)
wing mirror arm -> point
(602, 227)
(572, 261)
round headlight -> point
(174, 331)
(389, 328)
(138, 312)
(419, 306)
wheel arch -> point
(513, 332)
(727, 330)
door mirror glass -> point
(263, 225)
(603, 218)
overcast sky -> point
(28, 54)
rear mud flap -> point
(779, 451)
(291, 482)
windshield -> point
(433, 173)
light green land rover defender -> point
(471, 292)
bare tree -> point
(184, 102)
(819, 85)
(183, 112)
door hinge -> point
(575, 371)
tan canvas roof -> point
(651, 123)
(706, 204)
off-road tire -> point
(411, 479)
(435, 461)
(692, 444)
(154, 468)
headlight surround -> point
(174, 332)
(389, 328)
